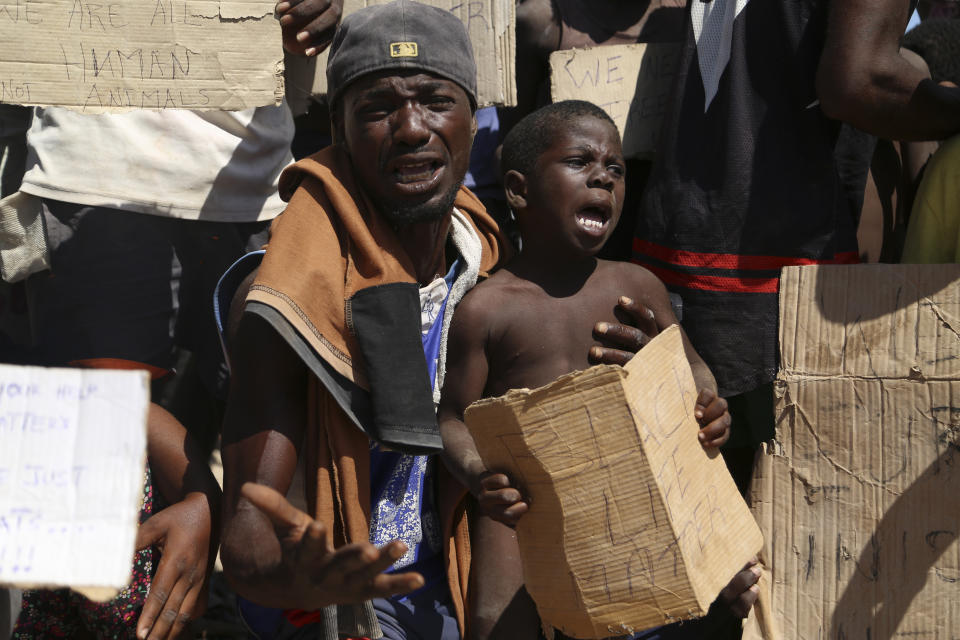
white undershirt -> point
(211, 165)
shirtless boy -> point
(525, 326)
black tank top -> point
(746, 185)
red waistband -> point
(300, 618)
(729, 261)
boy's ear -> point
(515, 185)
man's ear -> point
(473, 126)
(515, 184)
(336, 123)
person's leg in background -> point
(753, 423)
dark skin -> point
(536, 320)
(273, 553)
(308, 25)
(863, 79)
(408, 136)
(187, 531)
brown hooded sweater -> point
(328, 244)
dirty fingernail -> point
(624, 300)
(757, 571)
(282, 6)
(303, 36)
(312, 51)
(602, 327)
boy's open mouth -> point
(593, 219)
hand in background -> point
(178, 591)
(308, 25)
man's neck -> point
(425, 243)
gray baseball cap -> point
(401, 35)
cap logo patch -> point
(403, 50)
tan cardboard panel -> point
(632, 524)
(631, 82)
(491, 25)
(140, 54)
(858, 495)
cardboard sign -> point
(71, 476)
(631, 82)
(140, 54)
(859, 494)
(632, 524)
(491, 25)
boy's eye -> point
(576, 162)
(617, 169)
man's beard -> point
(403, 215)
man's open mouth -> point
(414, 172)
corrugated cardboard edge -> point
(801, 362)
(667, 345)
(597, 376)
(307, 78)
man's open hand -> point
(308, 25)
(622, 341)
(319, 575)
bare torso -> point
(536, 334)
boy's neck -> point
(557, 275)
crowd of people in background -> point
(308, 293)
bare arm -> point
(187, 531)
(262, 432)
(538, 35)
(464, 383)
(273, 553)
(862, 78)
(466, 379)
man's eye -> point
(373, 110)
(438, 102)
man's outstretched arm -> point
(864, 80)
(273, 553)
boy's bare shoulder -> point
(496, 288)
(633, 276)
(488, 298)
